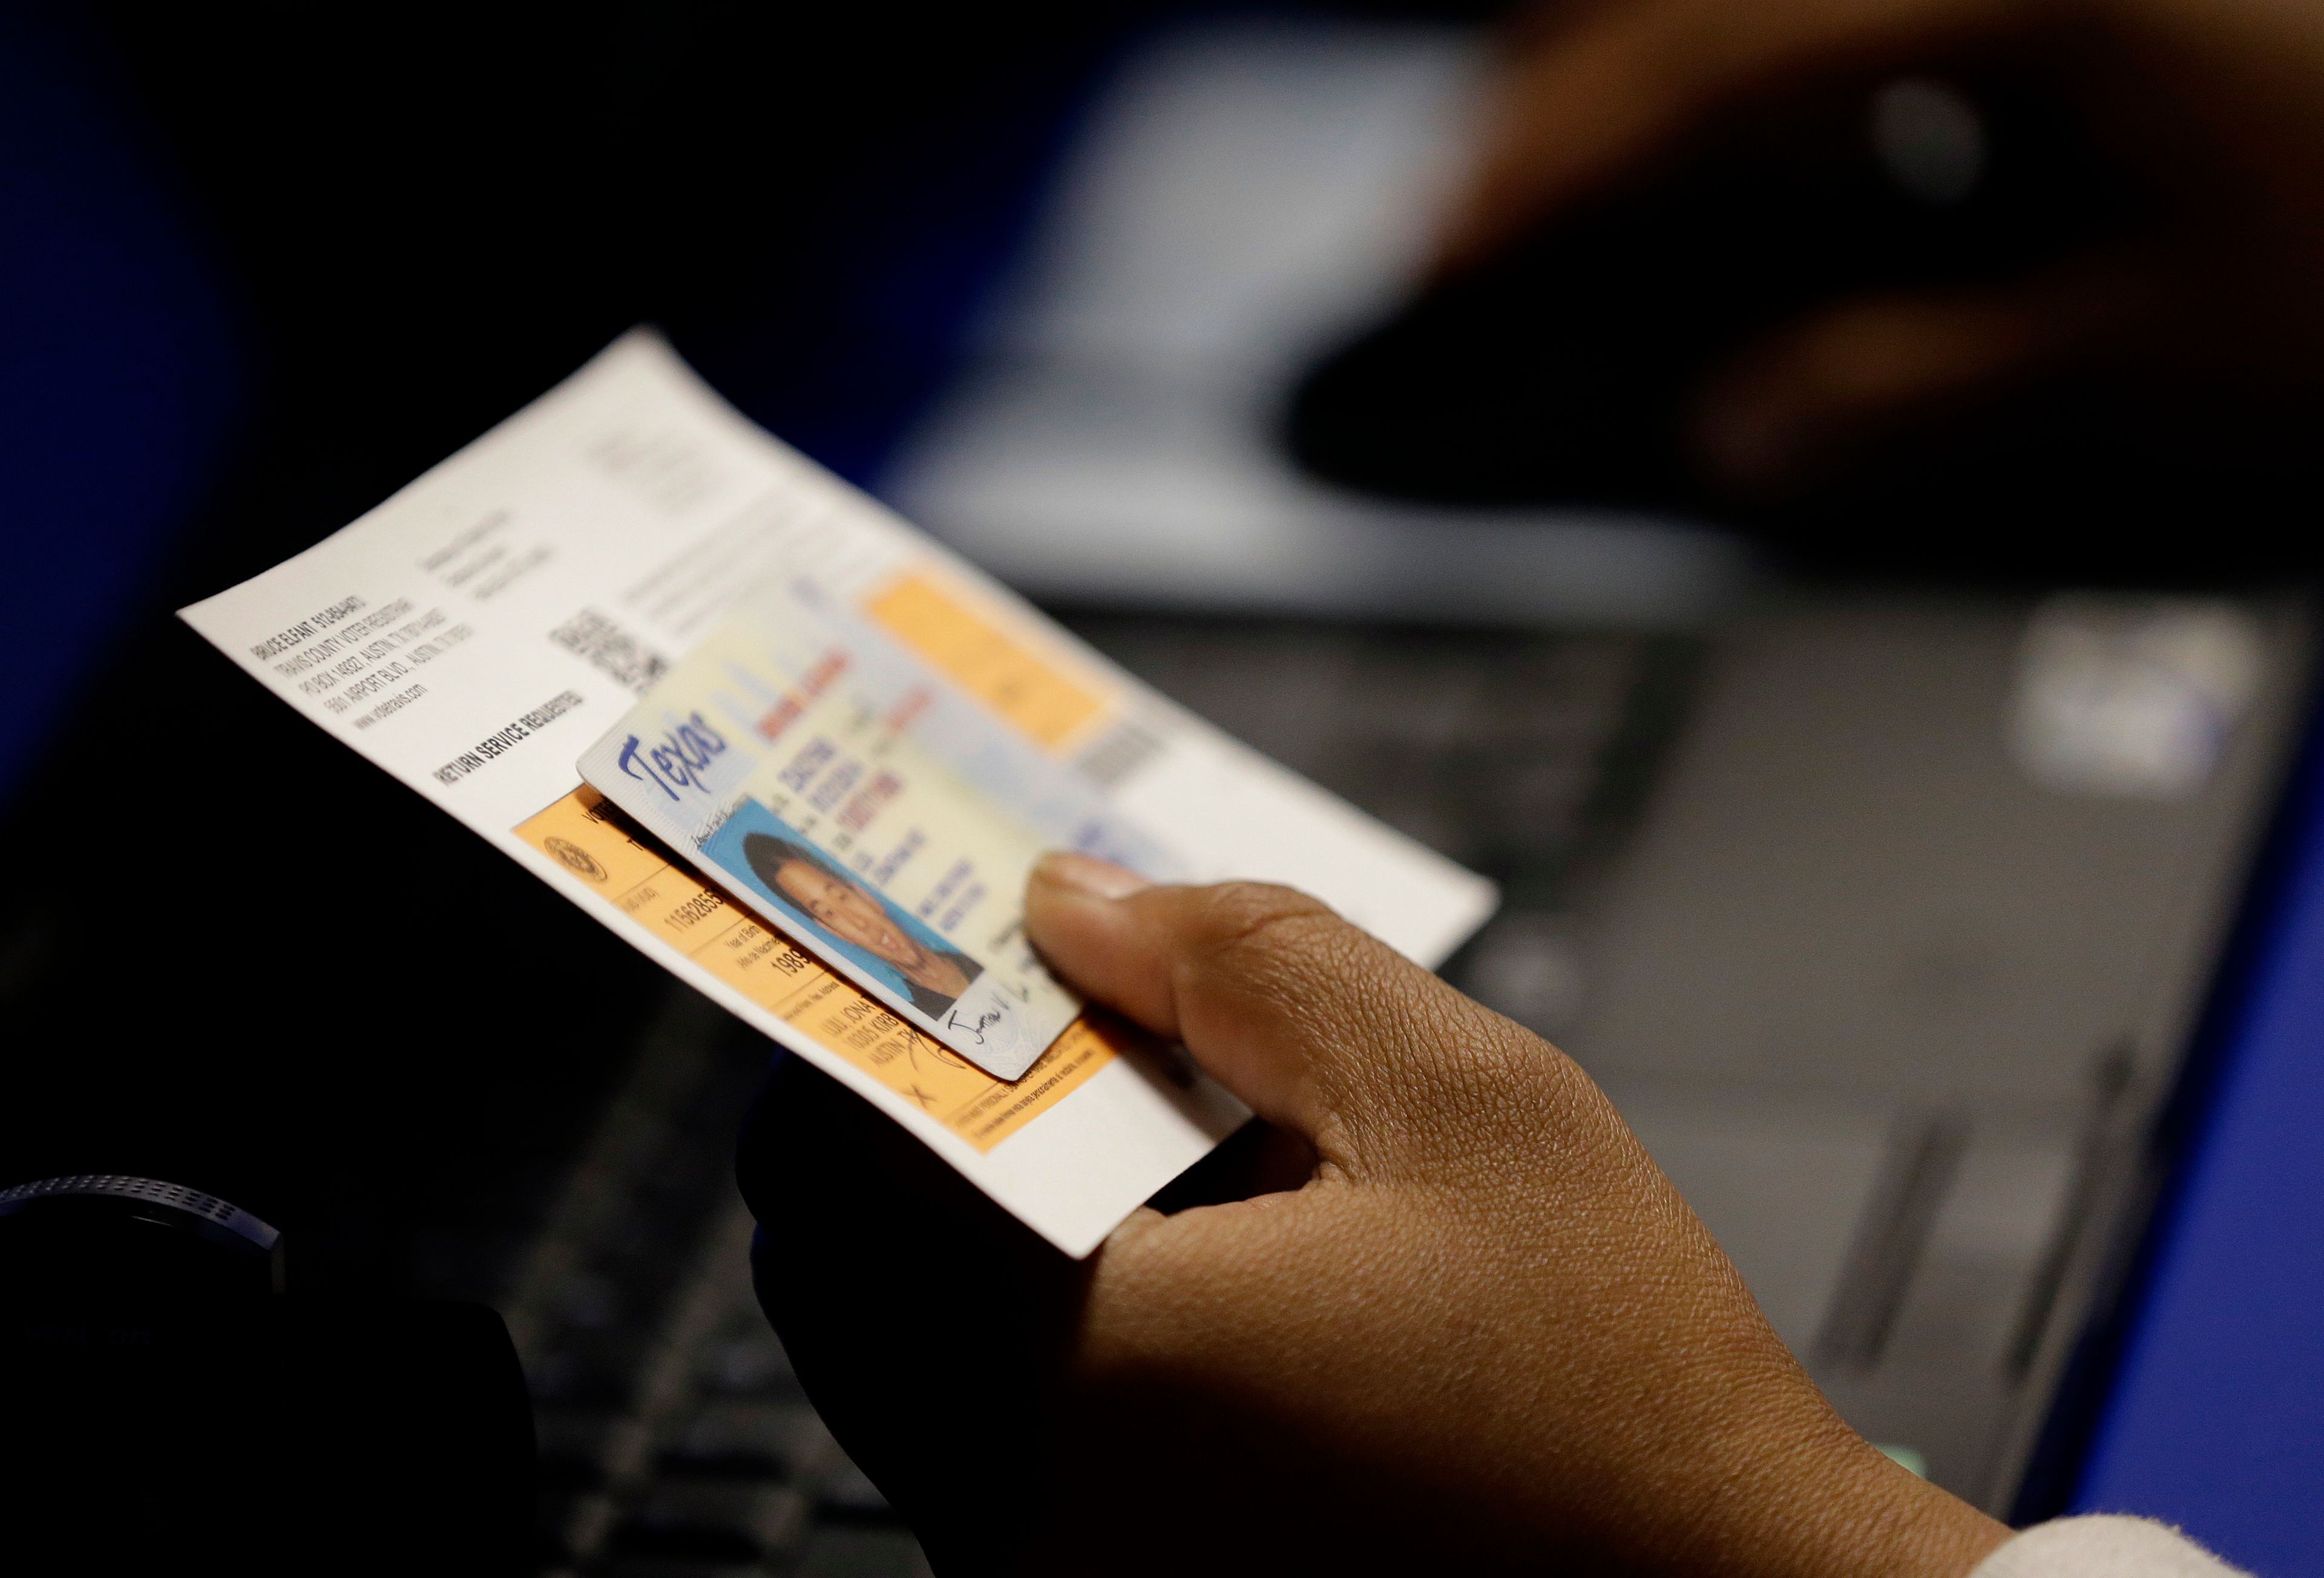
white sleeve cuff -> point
(2103, 1546)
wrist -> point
(1781, 1487)
(1850, 1510)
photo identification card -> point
(872, 807)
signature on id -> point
(984, 1022)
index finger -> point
(1586, 105)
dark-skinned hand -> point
(1442, 1311)
(2211, 110)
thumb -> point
(1307, 1018)
(1882, 362)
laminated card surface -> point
(882, 813)
(534, 595)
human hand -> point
(2212, 111)
(1472, 1323)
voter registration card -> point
(883, 729)
(869, 806)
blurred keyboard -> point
(674, 1441)
(1524, 754)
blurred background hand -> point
(2212, 112)
(1470, 1310)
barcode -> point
(1118, 752)
(622, 657)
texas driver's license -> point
(872, 807)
